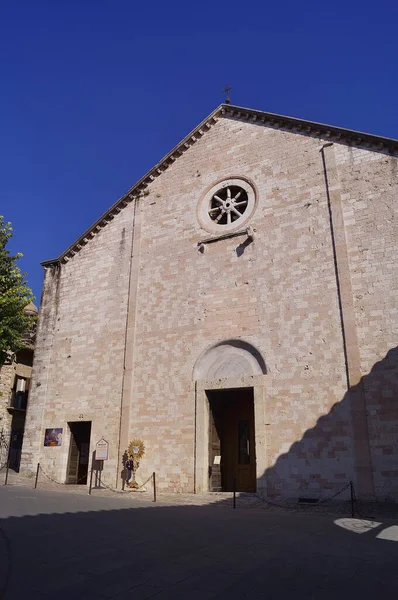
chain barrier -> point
(59, 482)
(294, 506)
(343, 489)
(262, 498)
(101, 483)
(356, 509)
(125, 491)
(285, 505)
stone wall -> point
(7, 376)
(279, 294)
(290, 293)
(369, 184)
(79, 358)
(16, 364)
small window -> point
(20, 384)
(20, 393)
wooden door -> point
(83, 461)
(73, 463)
(238, 443)
(215, 484)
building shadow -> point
(324, 459)
(95, 548)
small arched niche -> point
(229, 359)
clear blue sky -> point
(93, 93)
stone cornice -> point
(300, 126)
(367, 141)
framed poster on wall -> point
(53, 437)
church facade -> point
(236, 311)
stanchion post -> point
(234, 505)
(154, 486)
(123, 480)
(37, 474)
(91, 482)
(8, 457)
(100, 472)
(352, 500)
(8, 465)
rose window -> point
(228, 205)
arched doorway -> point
(229, 411)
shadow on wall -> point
(324, 459)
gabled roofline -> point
(341, 134)
(139, 187)
(350, 137)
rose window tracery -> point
(228, 205)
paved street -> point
(56, 544)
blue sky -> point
(93, 93)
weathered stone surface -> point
(7, 376)
(121, 332)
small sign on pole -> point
(101, 450)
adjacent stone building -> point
(237, 311)
(15, 375)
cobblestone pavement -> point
(58, 544)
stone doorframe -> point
(202, 420)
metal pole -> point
(154, 486)
(352, 500)
(8, 465)
(123, 479)
(91, 482)
(37, 474)
(100, 472)
(8, 457)
(234, 492)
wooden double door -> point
(232, 456)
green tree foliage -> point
(14, 296)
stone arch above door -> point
(229, 359)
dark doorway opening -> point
(232, 454)
(79, 452)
